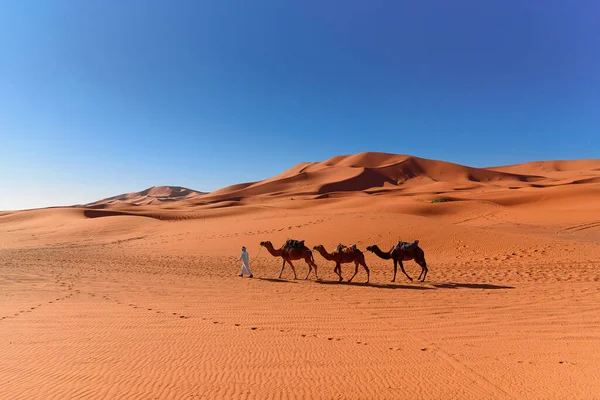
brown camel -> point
(403, 251)
(292, 253)
(344, 255)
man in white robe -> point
(245, 263)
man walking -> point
(245, 263)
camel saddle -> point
(294, 244)
(346, 249)
(406, 246)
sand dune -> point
(546, 167)
(153, 195)
(364, 172)
(137, 296)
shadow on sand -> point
(426, 286)
(276, 280)
(454, 285)
(375, 285)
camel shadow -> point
(276, 280)
(454, 285)
(375, 285)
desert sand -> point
(137, 296)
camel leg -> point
(424, 270)
(355, 271)
(395, 269)
(315, 268)
(364, 264)
(281, 272)
(338, 271)
(309, 268)
(402, 268)
(293, 268)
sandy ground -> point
(146, 303)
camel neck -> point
(272, 250)
(325, 254)
(381, 254)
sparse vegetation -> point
(439, 200)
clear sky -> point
(99, 98)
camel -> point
(292, 253)
(344, 255)
(403, 251)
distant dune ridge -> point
(365, 172)
(153, 195)
(370, 173)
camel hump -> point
(294, 244)
(406, 246)
(346, 249)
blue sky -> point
(103, 97)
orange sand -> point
(116, 300)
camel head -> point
(267, 243)
(372, 248)
(319, 247)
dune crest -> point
(366, 172)
(152, 195)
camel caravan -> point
(293, 250)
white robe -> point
(245, 263)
